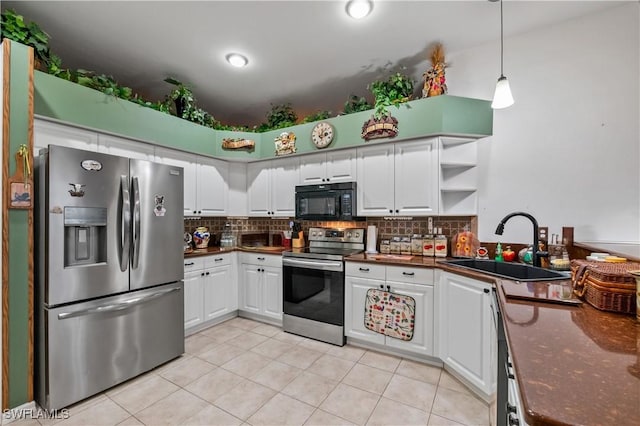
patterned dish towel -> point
(391, 314)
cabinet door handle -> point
(486, 290)
(513, 421)
(190, 264)
(202, 274)
(206, 273)
(409, 274)
(381, 287)
(397, 211)
(364, 269)
(328, 180)
(218, 259)
(389, 288)
(390, 210)
(260, 258)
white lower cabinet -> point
(466, 332)
(193, 307)
(261, 289)
(422, 341)
(409, 281)
(210, 289)
(355, 298)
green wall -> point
(18, 250)
(69, 102)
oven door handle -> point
(322, 265)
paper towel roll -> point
(372, 238)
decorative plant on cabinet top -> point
(396, 90)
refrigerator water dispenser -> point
(85, 231)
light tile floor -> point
(243, 372)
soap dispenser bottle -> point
(498, 257)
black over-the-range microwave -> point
(331, 201)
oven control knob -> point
(357, 235)
(315, 234)
(348, 234)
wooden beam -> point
(30, 258)
(6, 78)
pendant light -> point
(502, 97)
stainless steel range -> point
(313, 279)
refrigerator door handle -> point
(118, 306)
(125, 223)
(136, 223)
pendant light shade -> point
(502, 97)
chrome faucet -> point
(537, 254)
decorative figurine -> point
(201, 237)
(434, 80)
(285, 143)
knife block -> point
(298, 242)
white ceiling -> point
(309, 53)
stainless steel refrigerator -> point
(109, 293)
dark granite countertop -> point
(575, 364)
(216, 250)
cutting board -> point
(541, 291)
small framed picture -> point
(20, 195)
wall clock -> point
(322, 134)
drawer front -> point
(365, 270)
(193, 264)
(261, 259)
(219, 259)
(410, 275)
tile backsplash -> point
(386, 227)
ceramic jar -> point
(201, 237)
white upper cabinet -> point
(126, 148)
(285, 175)
(188, 163)
(259, 188)
(332, 167)
(47, 133)
(375, 167)
(212, 189)
(206, 190)
(416, 182)
(271, 187)
(398, 179)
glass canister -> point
(441, 245)
(385, 246)
(416, 245)
(227, 239)
(405, 245)
(394, 245)
(428, 245)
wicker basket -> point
(606, 286)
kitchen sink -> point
(512, 271)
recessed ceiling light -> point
(358, 9)
(237, 60)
